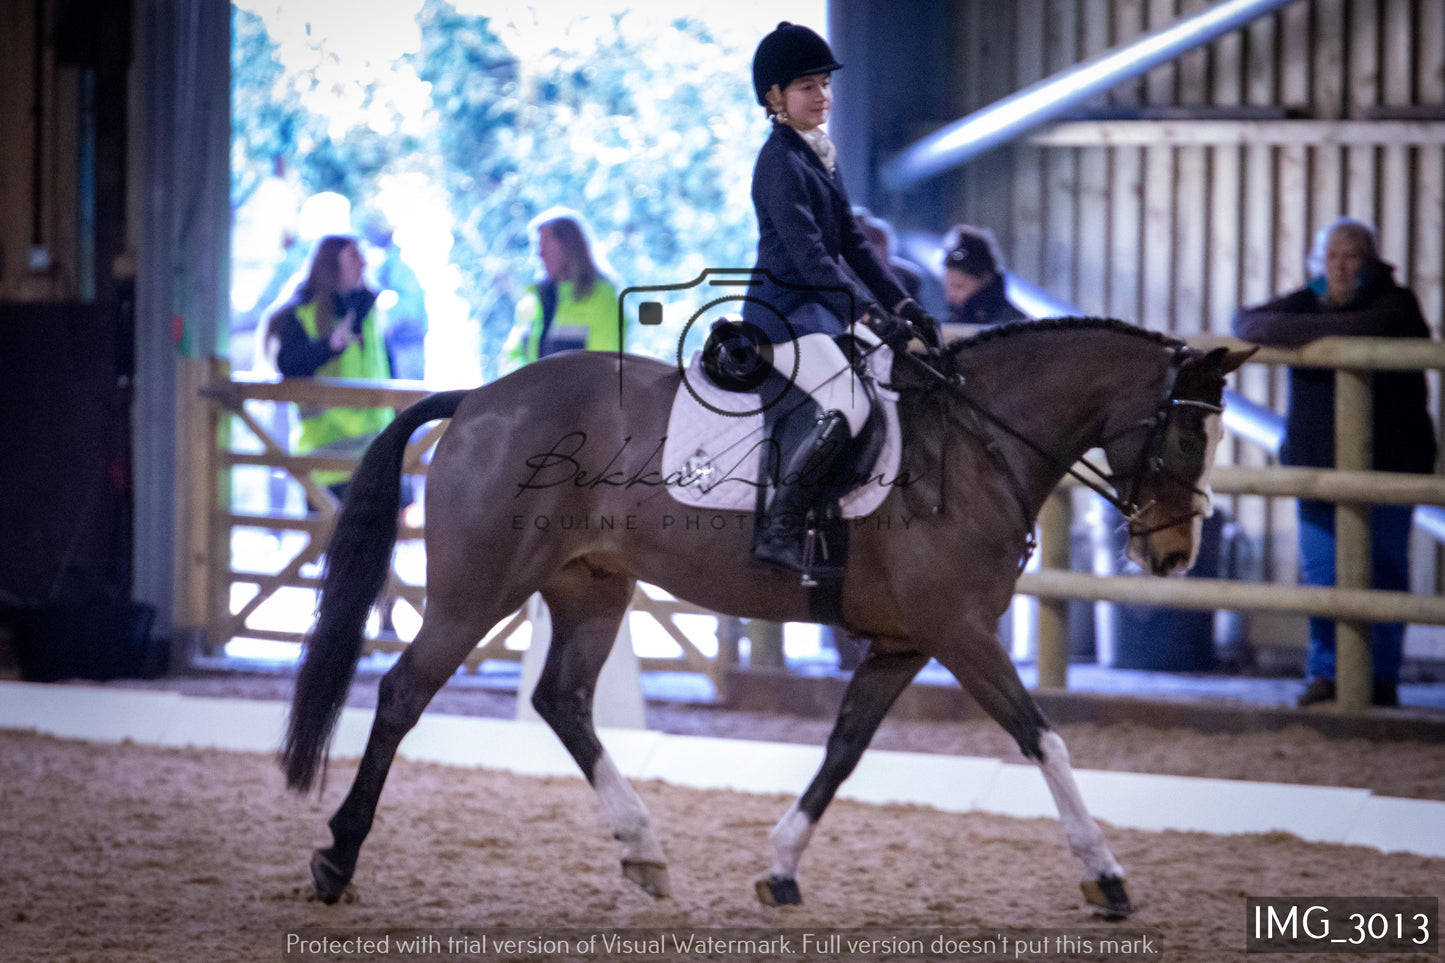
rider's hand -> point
(890, 328)
(929, 331)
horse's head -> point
(1161, 459)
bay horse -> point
(546, 481)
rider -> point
(809, 240)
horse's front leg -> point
(1103, 881)
(875, 685)
(987, 673)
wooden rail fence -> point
(206, 571)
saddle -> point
(724, 446)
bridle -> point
(1151, 465)
(1121, 490)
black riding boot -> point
(782, 531)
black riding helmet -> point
(789, 52)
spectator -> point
(330, 328)
(573, 306)
(1351, 292)
(973, 280)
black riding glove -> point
(929, 331)
(890, 328)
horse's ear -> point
(1224, 360)
(1230, 360)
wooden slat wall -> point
(1188, 232)
(1126, 182)
(1177, 237)
(1026, 226)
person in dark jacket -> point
(1352, 293)
(973, 280)
(821, 278)
(331, 327)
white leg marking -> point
(625, 812)
(1083, 835)
(789, 838)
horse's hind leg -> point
(989, 676)
(405, 690)
(876, 683)
(587, 605)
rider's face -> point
(807, 101)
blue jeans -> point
(1390, 569)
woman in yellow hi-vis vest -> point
(330, 328)
(573, 306)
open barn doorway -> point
(434, 131)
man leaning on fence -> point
(1351, 292)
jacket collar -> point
(794, 142)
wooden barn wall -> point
(1177, 237)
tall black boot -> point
(782, 530)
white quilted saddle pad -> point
(711, 459)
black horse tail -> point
(357, 561)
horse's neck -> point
(1057, 390)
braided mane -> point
(1060, 324)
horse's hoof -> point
(778, 891)
(330, 881)
(651, 876)
(1109, 897)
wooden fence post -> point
(196, 492)
(765, 650)
(1354, 666)
(1053, 659)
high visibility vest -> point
(346, 430)
(596, 313)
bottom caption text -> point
(730, 945)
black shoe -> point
(1319, 690)
(779, 540)
(1385, 694)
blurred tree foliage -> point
(647, 127)
(270, 120)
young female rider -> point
(806, 234)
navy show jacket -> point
(809, 239)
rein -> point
(955, 384)
(1150, 463)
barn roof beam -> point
(1040, 102)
